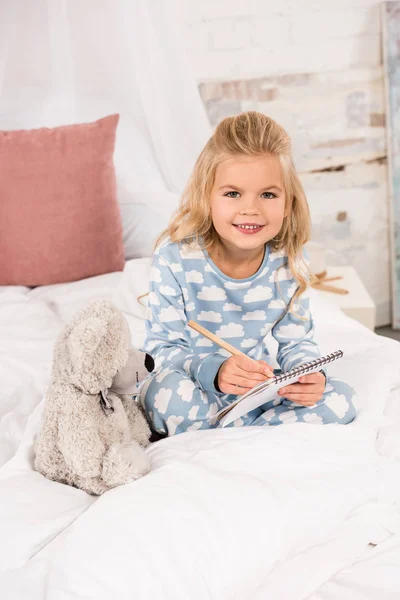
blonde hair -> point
(252, 134)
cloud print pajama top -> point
(180, 395)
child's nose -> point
(250, 208)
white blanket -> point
(227, 513)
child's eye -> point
(267, 195)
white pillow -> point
(133, 283)
(144, 215)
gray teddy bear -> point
(94, 433)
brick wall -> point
(235, 39)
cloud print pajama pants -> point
(174, 403)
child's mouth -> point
(249, 229)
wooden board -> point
(391, 45)
(334, 119)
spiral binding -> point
(306, 367)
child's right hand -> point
(239, 374)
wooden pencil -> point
(220, 342)
(214, 338)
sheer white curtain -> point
(71, 61)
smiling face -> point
(248, 202)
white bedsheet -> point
(224, 513)
(375, 576)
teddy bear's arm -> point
(79, 440)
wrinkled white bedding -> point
(233, 513)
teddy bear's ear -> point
(98, 347)
(85, 338)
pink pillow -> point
(59, 216)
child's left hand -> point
(308, 391)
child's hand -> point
(308, 391)
(238, 374)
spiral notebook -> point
(266, 390)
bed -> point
(289, 512)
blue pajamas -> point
(185, 284)
(174, 403)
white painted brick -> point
(197, 37)
(229, 34)
(316, 26)
(217, 9)
(311, 37)
(246, 63)
(334, 54)
(270, 31)
(194, 11)
(212, 65)
(272, 7)
(304, 6)
(235, 64)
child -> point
(232, 260)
